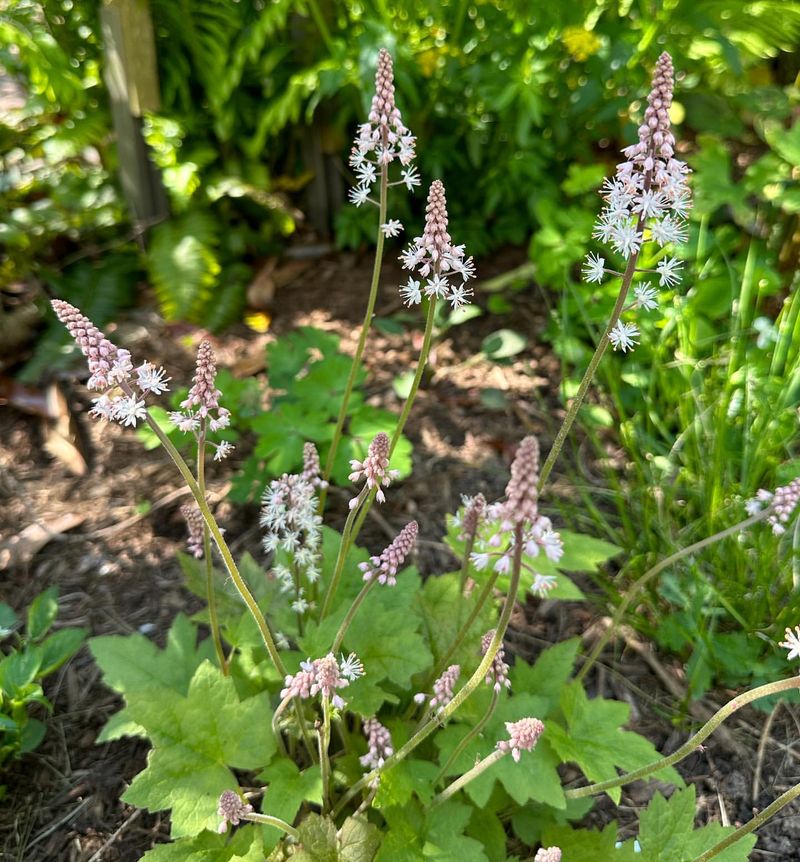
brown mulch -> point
(117, 574)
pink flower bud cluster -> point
(201, 405)
(292, 523)
(323, 676)
(496, 539)
(379, 741)
(383, 138)
(443, 688)
(648, 199)
(523, 736)
(194, 525)
(311, 469)
(374, 468)
(232, 809)
(782, 504)
(111, 369)
(497, 675)
(548, 854)
(436, 259)
(474, 509)
(384, 567)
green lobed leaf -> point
(244, 846)
(196, 738)
(667, 833)
(318, 837)
(595, 741)
(8, 620)
(358, 840)
(60, 646)
(402, 781)
(550, 673)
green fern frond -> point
(183, 266)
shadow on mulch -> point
(117, 573)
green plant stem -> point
(210, 591)
(692, 743)
(222, 546)
(653, 572)
(751, 825)
(351, 612)
(464, 630)
(401, 422)
(472, 683)
(324, 743)
(462, 581)
(465, 779)
(362, 338)
(473, 732)
(269, 820)
(577, 401)
(344, 547)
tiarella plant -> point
(351, 711)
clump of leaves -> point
(29, 656)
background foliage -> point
(521, 108)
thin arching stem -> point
(690, 746)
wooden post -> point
(132, 79)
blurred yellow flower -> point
(580, 43)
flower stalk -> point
(690, 746)
(462, 781)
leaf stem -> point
(222, 546)
(577, 401)
(344, 547)
(269, 820)
(401, 422)
(468, 737)
(362, 339)
(351, 612)
(692, 743)
(210, 591)
(463, 780)
(751, 825)
(472, 683)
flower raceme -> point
(323, 676)
(495, 540)
(374, 469)
(647, 200)
(381, 140)
(435, 259)
(384, 568)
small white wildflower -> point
(351, 667)
(184, 421)
(594, 268)
(129, 410)
(623, 336)
(223, 450)
(411, 178)
(669, 271)
(391, 228)
(437, 286)
(459, 296)
(358, 195)
(792, 643)
(152, 379)
(625, 239)
(645, 297)
(668, 231)
(542, 584)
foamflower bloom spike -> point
(384, 568)
(522, 736)
(436, 259)
(232, 809)
(323, 676)
(374, 468)
(200, 408)
(381, 140)
(548, 854)
(380, 745)
(782, 502)
(443, 688)
(124, 389)
(194, 526)
(497, 675)
(646, 201)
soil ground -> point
(116, 572)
